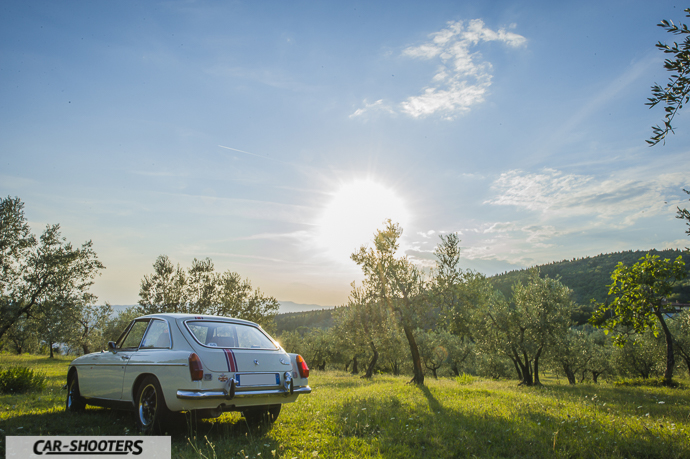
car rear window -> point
(229, 335)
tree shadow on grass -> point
(673, 404)
(434, 404)
(491, 426)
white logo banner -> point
(84, 447)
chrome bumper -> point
(222, 394)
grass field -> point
(346, 416)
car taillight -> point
(302, 367)
(196, 371)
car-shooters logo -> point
(88, 447)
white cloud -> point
(457, 98)
(677, 244)
(617, 201)
(462, 78)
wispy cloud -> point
(376, 106)
(427, 234)
(462, 78)
(618, 200)
(295, 235)
(550, 214)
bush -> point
(18, 380)
(464, 379)
(649, 382)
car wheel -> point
(151, 410)
(260, 414)
(75, 402)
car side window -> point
(136, 332)
(157, 336)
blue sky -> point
(275, 137)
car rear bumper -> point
(222, 394)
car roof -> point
(185, 317)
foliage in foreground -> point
(19, 380)
(675, 94)
(348, 416)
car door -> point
(104, 374)
(152, 356)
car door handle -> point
(124, 357)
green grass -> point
(346, 416)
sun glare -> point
(354, 214)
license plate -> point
(258, 379)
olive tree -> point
(523, 330)
(397, 284)
(572, 354)
(640, 356)
(638, 297)
(362, 324)
(680, 328)
(35, 272)
(202, 290)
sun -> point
(356, 210)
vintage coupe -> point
(167, 363)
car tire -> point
(262, 414)
(74, 402)
(151, 411)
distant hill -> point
(289, 306)
(285, 307)
(589, 277)
(304, 320)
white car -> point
(166, 363)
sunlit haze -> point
(355, 211)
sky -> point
(276, 137)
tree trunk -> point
(416, 359)
(85, 348)
(670, 358)
(355, 369)
(569, 374)
(536, 367)
(525, 369)
(517, 368)
(595, 376)
(347, 365)
(454, 368)
(370, 368)
(50, 346)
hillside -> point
(290, 321)
(589, 277)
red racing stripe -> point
(230, 358)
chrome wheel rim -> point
(71, 393)
(147, 405)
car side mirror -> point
(111, 346)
